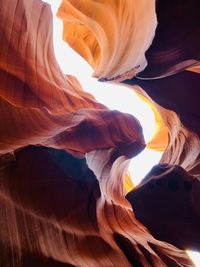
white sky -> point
(113, 96)
(116, 97)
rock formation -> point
(64, 156)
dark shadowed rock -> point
(167, 202)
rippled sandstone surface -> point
(64, 156)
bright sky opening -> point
(115, 97)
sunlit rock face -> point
(111, 35)
(41, 105)
(55, 209)
(178, 107)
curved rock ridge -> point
(171, 87)
(111, 35)
(141, 249)
(170, 82)
(180, 144)
(55, 210)
(41, 105)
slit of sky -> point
(115, 97)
